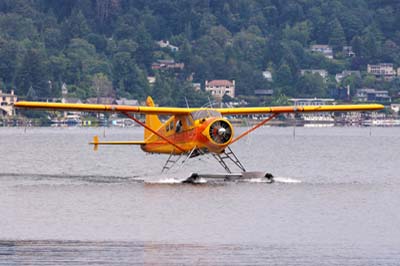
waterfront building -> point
(7, 101)
(372, 95)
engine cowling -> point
(220, 132)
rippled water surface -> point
(336, 201)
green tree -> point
(33, 75)
(102, 86)
(311, 85)
(76, 26)
(337, 38)
(283, 76)
(8, 60)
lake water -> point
(336, 201)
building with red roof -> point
(220, 87)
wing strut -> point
(153, 131)
(254, 128)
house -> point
(101, 100)
(311, 101)
(125, 101)
(345, 73)
(395, 107)
(348, 51)
(322, 72)
(71, 100)
(64, 90)
(196, 86)
(167, 64)
(326, 50)
(166, 44)
(267, 75)
(372, 95)
(7, 101)
(383, 70)
(151, 80)
(264, 92)
(219, 88)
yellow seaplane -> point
(193, 132)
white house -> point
(166, 44)
(326, 50)
(7, 101)
(220, 87)
(384, 70)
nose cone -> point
(219, 132)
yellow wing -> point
(183, 111)
(103, 108)
(300, 109)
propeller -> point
(220, 132)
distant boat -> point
(123, 122)
(318, 118)
(69, 120)
(382, 122)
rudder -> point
(152, 121)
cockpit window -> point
(200, 114)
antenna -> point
(209, 101)
(187, 104)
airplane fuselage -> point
(207, 134)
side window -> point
(170, 126)
(189, 122)
(179, 126)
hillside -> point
(107, 47)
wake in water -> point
(65, 179)
(286, 180)
(219, 178)
(169, 179)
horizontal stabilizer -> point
(96, 142)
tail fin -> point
(151, 120)
(95, 143)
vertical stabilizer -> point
(151, 120)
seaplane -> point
(191, 132)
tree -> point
(283, 76)
(311, 85)
(33, 74)
(337, 38)
(76, 25)
(249, 47)
(299, 32)
(8, 60)
(353, 81)
(17, 27)
(102, 86)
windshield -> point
(200, 114)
